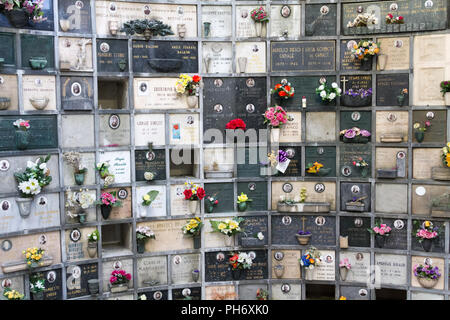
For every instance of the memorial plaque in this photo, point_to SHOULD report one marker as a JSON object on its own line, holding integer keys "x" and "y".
{"x": 77, "y": 241}
{"x": 71, "y": 133}
{"x": 39, "y": 87}
{"x": 168, "y": 236}
{"x": 325, "y": 271}
{"x": 398, "y": 238}
{"x": 351, "y": 192}
{"x": 355, "y": 228}
{"x": 158, "y": 206}
{"x": 360, "y": 119}
{"x": 320, "y": 126}
{"x": 119, "y": 165}
{"x": 77, "y": 93}
{"x": 249, "y": 161}
{"x": 112, "y": 55}
{"x": 417, "y": 295}
{"x": 320, "y": 20}
{"x": 146, "y": 161}
{"x": 215, "y": 239}
{"x": 227, "y": 292}
{"x": 179, "y": 206}
{"x": 53, "y": 284}
{"x": 424, "y": 159}
{"x": 184, "y": 128}
{"x": 390, "y": 269}
{"x": 157, "y": 93}
{"x": 34, "y": 46}
{"x": 152, "y": 271}
{"x": 218, "y": 161}
{"x": 77, "y": 277}
{"x": 386, "y": 158}
{"x": 285, "y": 20}
{"x": 7, "y": 49}
{"x": 289, "y": 259}
{"x": 224, "y": 193}
{"x": 304, "y": 87}
{"x": 295, "y": 165}
{"x": 391, "y": 198}
{"x": 350, "y": 152}
{"x": 8, "y": 89}
{"x": 250, "y": 57}
{"x": 194, "y": 293}
{"x": 438, "y": 243}
{"x": 292, "y": 130}
{"x": 257, "y": 191}
{"x": 149, "y": 128}
{"x": 347, "y": 61}
{"x": 114, "y": 130}
{"x": 13, "y": 283}
{"x": 355, "y": 293}
{"x": 165, "y": 56}
{"x": 438, "y": 130}
{"x": 219, "y": 19}
{"x": 245, "y": 26}
{"x": 301, "y": 56}
{"x": 253, "y": 226}
{"x": 182, "y": 267}
{"x": 360, "y": 262}
{"x": 286, "y": 291}
{"x": 75, "y": 54}
{"x": 217, "y": 57}
{"x": 323, "y": 155}
{"x": 124, "y": 195}
{"x": 396, "y": 51}
{"x": 75, "y": 16}
{"x": 392, "y": 126}
{"x": 43, "y": 132}
{"x": 248, "y": 291}
{"x": 250, "y": 101}
{"x": 356, "y": 82}
{"x": 389, "y": 86}
{"x": 433, "y": 261}
{"x": 47, "y": 25}
{"x": 422, "y": 197}
{"x": 117, "y": 264}
{"x": 156, "y": 294}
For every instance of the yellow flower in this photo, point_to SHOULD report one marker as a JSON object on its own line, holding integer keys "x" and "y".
{"x": 342, "y": 298}
{"x": 243, "y": 197}
{"x": 233, "y": 225}
{"x": 28, "y": 255}
{"x": 427, "y": 223}
{"x": 29, "y": 262}
{"x": 222, "y": 226}
{"x": 146, "y": 197}
{"x": 448, "y": 144}
{"x": 38, "y": 258}
{"x": 416, "y": 125}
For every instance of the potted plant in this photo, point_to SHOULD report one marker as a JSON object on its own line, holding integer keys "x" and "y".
{"x": 33, "y": 257}
{"x": 259, "y": 16}
{"x": 357, "y": 97}
{"x": 445, "y": 89}
{"x": 195, "y": 275}
{"x": 118, "y": 282}
{"x": 31, "y": 181}
{"x": 402, "y": 97}
{"x": 364, "y": 52}
{"x": 420, "y": 129}
{"x": 242, "y": 201}
{"x": 238, "y": 262}
{"x": 303, "y": 237}
{"x": 193, "y": 193}
{"x": 275, "y": 117}
{"x": 143, "y": 233}
{"x": 210, "y": 203}
{"x": 282, "y": 91}
{"x": 228, "y": 227}
{"x": 190, "y": 86}
{"x": 78, "y": 202}
{"x": 37, "y": 287}
{"x": 11, "y": 294}
{"x": 362, "y": 165}
{"x": 427, "y": 275}
{"x": 344, "y": 268}
{"x": 107, "y": 202}
{"x": 381, "y": 231}
{"x": 93, "y": 238}
{"x": 147, "y": 28}
{"x": 147, "y": 200}
{"x": 22, "y": 135}
{"x": 19, "y": 12}
{"x": 193, "y": 228}
{"x": 317, "y": 169}
{"x": 355, "y": 135}
{"x": 262, "y": 294}
{"x": 425, "y": 234}
{"x": 309, "y": 261}
{"x": 79, "y": 170}
{"x": 328, "y": 93}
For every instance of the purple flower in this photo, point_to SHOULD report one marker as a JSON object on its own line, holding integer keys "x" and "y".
{"x": 282, "y": 156}
{"x": 365, "y": 133}
{"x": 350, "y": 134}
{"x": 303, "y": 233}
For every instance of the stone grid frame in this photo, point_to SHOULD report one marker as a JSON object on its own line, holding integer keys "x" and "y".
{"x": 169, "y": 181}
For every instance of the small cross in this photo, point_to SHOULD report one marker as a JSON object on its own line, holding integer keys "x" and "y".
{"x": 303, "y": 222}
{"x": 344, "y": 80}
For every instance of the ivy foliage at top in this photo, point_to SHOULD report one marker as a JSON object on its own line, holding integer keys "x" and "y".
{"x": 156, "y": 27}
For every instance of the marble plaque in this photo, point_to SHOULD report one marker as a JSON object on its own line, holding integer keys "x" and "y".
{"x": 423, "y": 160}
{"x": 8, "y": 89}
{"x": 245, "y": 26}
{"x": 77, "y": 93}
{"x": 397, "y": 52}
{"x": 77, "y": 242}
{"x": 325, "y": 271}
{"x": 157, "y": 93}
{"x": 217, "y": 57}
{"x": 391, "y": 198}
{"x": 437, "y": 132}
{"x": 286, "y": 291}
{"x": 354, "y": 293}
{"x": 417, "y": 295}
{"x": 152, "y": 271}
{"x": 225, "y": 194}
{"x": 355, "y": 228}
{"x": 39, "y": 87}
{"x": 360, "y": 262}
{"x": 123, "y": 194}
{"x": 320, "y": 20}
{"x": 435, "y": 262}
{"x": 248, "y": 291}
{"x": 178, "y": 206}
{"x": 156, "y": 294}
{"x": 350, "y": 191}
{"x": 257, "y": 191}
{"x": 422, "y": 196}
{"x": 14, "y": 283}
{"x": 7, "y": 49}
{"x": 53, "y": 284}
{"x": 88, "y": 160}
{"x": 158, "y": 206}
{"x": 386, "y": 158}
{"x": 76, "y": 53}
{"x": 114, "y": 130}
{"x": 112, "y": 55}
{"x": 250, "y": 57}
{"x": 119, "y": 165}
{"x": 78, "y": 15}
{"x": 320, "y": 126}
{"x": 288, "y": 259}
{"x": 219, "y": 18}
{"x": 390, "y": 269}
{"x": 214, "y": 239}
{"x": 227, "y": 292}
{"x": 37, "y": 46}
{"x": 71, "y": 133}
{"x": 116, "y": 264}
{"x": 389, "y": 86}
{"x": 149, "y": 128}
{"x": 252, "y": 227}
{"x": 347, "y": 61}
{"x": 184, "y": 129}
{"x": 168, "y": 236}
{"x": 392, "y": 124}
{"x": 292, "y": 130}
{"x": 77, "y": 279}
{"x": 194, "y": 293}
{"x": 182, "y": 267}
{"x": 218, "y": 159}
{"x": 154, "y": 162}
{"x": 350, "y": 152}
{"x": 91, "y": 212}
{"x": 323, "y": 155}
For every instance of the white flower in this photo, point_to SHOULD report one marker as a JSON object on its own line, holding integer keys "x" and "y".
{"x": 31, "y": 164}
{"x": 260, "y": 236}
{"x": 321, "y": 87}
{"x": 332, "y": 96}
{"x": 43, "y": 166}
{"x": 143, "y": 297}
{"x": 334, "y": 85}
{"x": 36, "y": 191}
{"x": 311, "y": 267}
{"x": 25, "y": 187}
{"x": 323, "y": 94}
{"x": 339, "y": 90}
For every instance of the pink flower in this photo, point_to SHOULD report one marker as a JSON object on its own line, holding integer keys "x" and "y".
{"x": 270, "y": 115}
{"x": 280, "y": 117}
{"x": 128, "y": 276}
{"x": 112, "y": 279}
{"x": 275, "y": 123}
{"x": 381, "y": 232}
{"x": 272, "y": 109}
{"x": 428, "y": 123}
{"x": 9, "y": 6}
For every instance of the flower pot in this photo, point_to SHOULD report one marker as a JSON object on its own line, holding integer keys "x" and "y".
{"x": 427, "y": 283}
{"x": 193, "y": 205}
{"x": 5, "y": 103}
{"x": 322, "y": 172}
{"x": 209, "y": 207}
{"x": 364, "y": 172}
{"x": 113, "y": 27}
{"x": 278, "y": 270}
{"x": 22, "y": 139}
{"x": 236, "y": 274}
{"x": 106, "y": 211}
{"x": 309, "y": 274}
{"x": 303, "y": 240}
{"x": 82, "y": 216}
{"x": 229, "y": 241}
{"x": 24, "y": 205}
{"x": 206, "y": 28}
{"x": 343, "y": 272}
{"x": 420, "y": 135}
{"x": 447, "y": 98}
{"x": 93, "y": 286}
{"x": 379, "y": 241}
{"x": 275, "y": 135}
{"x": 116, "y": 288}
{"x": 79, "y": 178}
{"x": 355, "y": 101}
{"x": 39, "y": 103}
{"x": 381, "y": 61}
{"x": 147, "y": 34}
{"x": 242, "y": 62}
{"x": 195, "y": 276}
{"x": 400, "y": 100}
{"x": 242, "y": 206}
{"x": 92, "y": 249}
{"x": 366, "y": 64}
{"x": 258, "y": 28}
{"x": 122, "y": 65}
{"x": 207, "y": 63}
{"x": 140, "y": 246}
{"x": 192, "y": 101}
{"x": 38, "y": 295}
{"x": 197, "y": 241}
{"x": 356, "y": 139}
{"x": 427, "y": 244}
{"x": 17, "y": 18}
{"x": 38, "y": 63}
{"x": 64, "y": 24}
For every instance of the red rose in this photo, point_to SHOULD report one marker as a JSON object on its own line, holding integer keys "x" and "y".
{"x": 278, "y": 86}
{"x": 187, "y": 194}
{"x": 390, "y": 16}
{"x": 175, "y": 127}
{"x": 200, "y": 193}
{"x": 282, "y": 93}
{"x": 216, "y": 202}
{"x": 196, "y": 78}
{"x": 288, "y": 88}
{"x": 239, "y": 124}
{"x": 400, "y": 18}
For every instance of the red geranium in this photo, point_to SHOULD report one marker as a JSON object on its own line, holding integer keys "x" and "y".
{"x": 200, "y": 193}
{"x": 196, "y": 78}
{"x": 236, "y": 124}
{"x": 282, "y": 93}
{"x": 187, "y": 194}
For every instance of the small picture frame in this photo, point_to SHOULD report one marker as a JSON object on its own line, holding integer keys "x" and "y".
{"x": 285, "y": 11}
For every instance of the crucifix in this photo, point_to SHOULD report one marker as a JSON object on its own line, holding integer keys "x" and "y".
{"x": 303, "y": 222}
{"x": 344, "y": 80}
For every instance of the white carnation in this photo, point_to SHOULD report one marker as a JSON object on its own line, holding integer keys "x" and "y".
{"x": 339, "y": 90}
{"x": 31, "y": 164}
{"x": 321, "y": 87}
{"x": 323, "y": 94}
{"x": 334, "y": 85}
{"x": 260, "y": 236}
{"x": 332, "y": 96}
{"x": 43, "y": 166}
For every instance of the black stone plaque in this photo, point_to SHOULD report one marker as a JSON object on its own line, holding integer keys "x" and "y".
{"x": 356, "y": 82}
{"x": 53, "y": 284}
{"x": 350, "y": 152}
{"x": 297, "y": 56}
{"x": 165, "y": 56}
{"x": 112, "y": 55}
{"x": 156, "y": 294}
{"x": 43, "y": 132}
{"x": 78, "y": 13}
{"x": 37, "y": 46}
{"x": 351, "y": 191}
{"x": 438, "y": 130}
{"x": 438, "y": 243}
{"x": 360, "y": 119}
{"x": 294, "y": 155}
{"x": 347, "y": 61}
{"x": 323, "y": 155}
{"x": 252, "y": 226}
{"x": 154, "y": 161}
{"x": 257, "y": 191}
{"x": 46, "y": 25}
{"x": 250, "y": 161}
{"x": 7, "y": 48}
{"x": 389, "y": 86}
{"x": 195, "y": 293}
{"x": 355, "y": 293}
{"x": 77, "y": 284}
{"x": 250, "y": 101}
{"x": 356, "y": 230}
{"x": 224, "y": 193}
{"x": 398, "y": 238}
{"x": 320, "y": 20}
{"x": 77, "y": 93}
{"x": 322, "y": 228}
